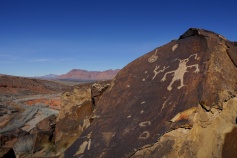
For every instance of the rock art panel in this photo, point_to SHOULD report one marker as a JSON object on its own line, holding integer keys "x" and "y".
{"x": 166, "y": 119}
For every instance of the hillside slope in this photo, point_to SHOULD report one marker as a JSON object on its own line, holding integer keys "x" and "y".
{"x": 13, "y": 85}
{"x": 89, "y": 75}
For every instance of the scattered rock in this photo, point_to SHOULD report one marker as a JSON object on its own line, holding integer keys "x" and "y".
{"x": 44, "y": 133}
{"x": 24, "y": 144}
{"x": 27, "y": 124}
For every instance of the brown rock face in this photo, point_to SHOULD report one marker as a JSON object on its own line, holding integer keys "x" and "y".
{"x": 175, "y": 101}
{"x": 229, "y": 147}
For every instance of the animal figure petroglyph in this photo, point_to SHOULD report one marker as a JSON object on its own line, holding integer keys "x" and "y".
{"x": 179, "y": 73}
{"x": 157, "y": 72}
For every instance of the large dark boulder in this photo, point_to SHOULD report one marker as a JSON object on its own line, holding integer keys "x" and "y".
{"x": 175, "y": 101}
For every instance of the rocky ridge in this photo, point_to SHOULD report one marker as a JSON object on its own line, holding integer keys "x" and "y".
{"x": 89, "y": 75}
{"x": 178, "y": 100}
{"x": 21, "y": 86}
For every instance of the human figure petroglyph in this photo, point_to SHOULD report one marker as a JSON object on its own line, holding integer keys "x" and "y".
{"x": 157, "y": 72}
{"x": 179, "y": 73}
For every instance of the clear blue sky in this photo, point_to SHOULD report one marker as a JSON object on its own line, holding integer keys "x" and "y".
{"x": 39, "y": 37}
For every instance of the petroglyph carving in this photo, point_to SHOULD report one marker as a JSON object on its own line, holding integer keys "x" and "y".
{"x": 163, "y": 106}
{"x": 153, "y": 58}
{"x": 144, "y": 135}
{"x": 144, "y": 124}
{"x": 157, "y": 72}
{"x": 83, "y": 146}
{"x": 107, "y": 137}
{"x": 89, "y": 145}
{"x": 175, "y": 47}
{"x": 180, "y": 71}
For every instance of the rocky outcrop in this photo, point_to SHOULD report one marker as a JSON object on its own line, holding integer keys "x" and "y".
{"x": 44, "y": 133}
{"x": 26, "y": 107}
{"x": 97, "y": 89}
{"x": 40, "y": 139}
{"x": 178, "y": 100}
{"x": 76, "y": 113}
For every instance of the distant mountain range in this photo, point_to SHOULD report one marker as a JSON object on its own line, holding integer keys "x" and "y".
{"x": 84, "y": 75}
{"x": 50, "y": 76}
